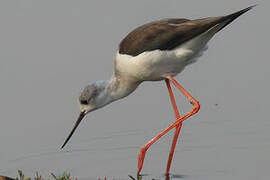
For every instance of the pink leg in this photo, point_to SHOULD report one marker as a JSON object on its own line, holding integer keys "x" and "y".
{"x": 195, "y": 109}
{"x": 177, "y": 129}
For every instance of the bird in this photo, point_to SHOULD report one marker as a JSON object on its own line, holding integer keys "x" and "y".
{"x": 155, "y": 51}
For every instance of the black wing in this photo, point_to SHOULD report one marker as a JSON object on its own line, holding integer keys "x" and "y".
{"x": 167, "y": 34}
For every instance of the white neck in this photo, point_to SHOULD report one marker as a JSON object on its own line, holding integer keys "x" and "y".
{"x": 119, "y": 87}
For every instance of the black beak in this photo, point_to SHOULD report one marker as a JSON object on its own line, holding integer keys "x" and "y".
{"x": 82, "y": 114}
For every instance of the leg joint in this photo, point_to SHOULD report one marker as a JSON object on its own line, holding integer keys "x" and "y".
{"x": 144, "y": 148}
{"x": 196, "y": 106}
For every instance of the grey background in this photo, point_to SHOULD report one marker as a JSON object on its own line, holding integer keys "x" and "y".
{"x": 50, "y": 49}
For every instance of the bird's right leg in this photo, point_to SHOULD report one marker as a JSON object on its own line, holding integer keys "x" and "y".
{"x": 177, "y": 128}
{"x": 195, "y": 109}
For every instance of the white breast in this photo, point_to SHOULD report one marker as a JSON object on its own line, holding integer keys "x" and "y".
{"x": 150, "y": 65}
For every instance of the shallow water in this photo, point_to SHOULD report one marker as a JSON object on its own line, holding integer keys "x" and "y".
{"x": 49, "y": 50}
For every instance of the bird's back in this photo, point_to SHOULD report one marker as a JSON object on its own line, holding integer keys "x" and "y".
{"x": 165, "y": 34}
{"x": 168, "y": 34}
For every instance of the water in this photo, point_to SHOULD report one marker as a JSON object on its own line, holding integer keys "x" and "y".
{"x": 49, "y": 50}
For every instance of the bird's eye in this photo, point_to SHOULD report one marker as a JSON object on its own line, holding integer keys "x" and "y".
{"x": 84, "y": 102}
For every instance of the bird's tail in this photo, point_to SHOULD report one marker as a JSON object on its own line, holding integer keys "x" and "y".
{"x": 231, "y": 17}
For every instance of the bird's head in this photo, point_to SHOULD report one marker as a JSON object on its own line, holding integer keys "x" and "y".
{"x": 92, "y": 97}
{"x": 89, "y": 98}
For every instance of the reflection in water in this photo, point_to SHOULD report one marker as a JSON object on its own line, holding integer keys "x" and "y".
{"x": 166, "y": 177}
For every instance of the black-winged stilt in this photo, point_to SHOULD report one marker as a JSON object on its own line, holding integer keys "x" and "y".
{"x": 152, "y": 52}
